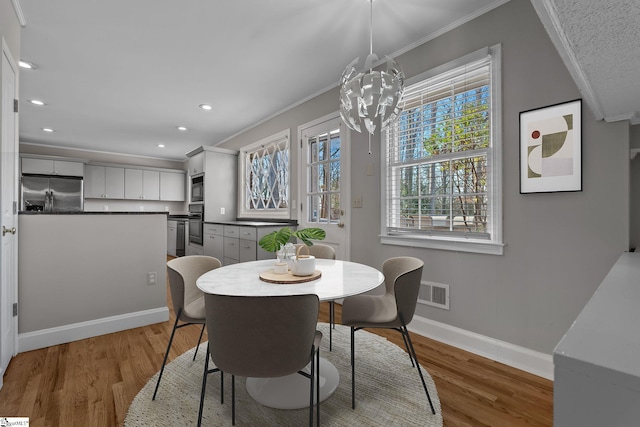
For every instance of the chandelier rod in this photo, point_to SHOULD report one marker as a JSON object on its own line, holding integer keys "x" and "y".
{"x": 370, "y": 27}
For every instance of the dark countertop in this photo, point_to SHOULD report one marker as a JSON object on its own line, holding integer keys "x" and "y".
{"x": 94, "y": 213}
{"x": 255, "y": 223}
{"x": 180, "y": 217}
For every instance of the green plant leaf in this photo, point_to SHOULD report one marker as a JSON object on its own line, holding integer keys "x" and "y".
{"x": 309, "y": 234}
{"x": 272, "y": 241}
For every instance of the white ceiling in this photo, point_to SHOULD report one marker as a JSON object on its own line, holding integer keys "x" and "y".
{"x": 119, "y": 76}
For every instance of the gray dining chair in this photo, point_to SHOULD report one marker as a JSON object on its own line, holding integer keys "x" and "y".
{"x": 187, "y": 299}
{"x": 263, "y": 337}
{"x": 322, "y": 251}
{"x": 393, "y": 310}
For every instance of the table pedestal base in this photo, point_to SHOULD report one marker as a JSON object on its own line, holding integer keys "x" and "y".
{"x": 292, "y": 391}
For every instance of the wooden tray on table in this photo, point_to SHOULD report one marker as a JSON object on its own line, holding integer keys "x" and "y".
{"x": 288, "y": 278}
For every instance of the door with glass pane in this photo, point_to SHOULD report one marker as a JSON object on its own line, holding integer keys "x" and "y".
{"x": 324, "y": 192}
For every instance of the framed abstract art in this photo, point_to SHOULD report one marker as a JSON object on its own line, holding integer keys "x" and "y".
{"x": 551, "y": 148}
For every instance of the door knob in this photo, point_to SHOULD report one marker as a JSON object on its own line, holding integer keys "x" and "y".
{"x": 6, "y": 230}
{"x": 341, "y": 225}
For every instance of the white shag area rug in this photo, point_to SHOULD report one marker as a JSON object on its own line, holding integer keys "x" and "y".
{"x": 388, "y": 391}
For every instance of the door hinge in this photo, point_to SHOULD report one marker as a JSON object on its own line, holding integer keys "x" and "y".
{"x": 300, "y": 206}
{"x": 15, "y": 309}
{"x": 15, "y": 105}
{"x": 15, "y": 207}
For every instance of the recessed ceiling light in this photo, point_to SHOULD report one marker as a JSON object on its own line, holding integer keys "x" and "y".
{"x": 206, "y": 107}
{"x": 182, "y": 128}
{"x": 27, "y": 65}
{"x": 160, "y": 145}
{"x": 36, "y": 102}
{"x": 47, "y": 129}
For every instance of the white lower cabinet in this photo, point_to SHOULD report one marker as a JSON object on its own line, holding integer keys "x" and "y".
{"x": 193, "y": 249}
{"x": 241, "y": 243}
{"x": 232, "y": 243}
{"x": 213, "y": 238}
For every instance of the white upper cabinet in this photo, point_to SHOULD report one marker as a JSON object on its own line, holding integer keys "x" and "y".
{"x": 114, "y": 182}
{"x": 52, "y": 167}
{"x": 141, "y": 184}
{"x": 172, "y": 186}
{"x": 104, "y": 182}
{"x": 196, "y": 164}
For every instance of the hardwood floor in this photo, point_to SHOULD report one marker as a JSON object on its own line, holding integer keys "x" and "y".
{"x": 92, "y": 382}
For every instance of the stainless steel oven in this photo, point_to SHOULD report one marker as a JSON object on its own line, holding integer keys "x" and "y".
{"x": 196, "y": 223}
{"x": 197, "y": 188}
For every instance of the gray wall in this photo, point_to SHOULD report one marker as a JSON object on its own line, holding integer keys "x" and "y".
{"x": 83, "y": 268}
{"x": 634, "y": 222}
{"x": 559, "y": 246}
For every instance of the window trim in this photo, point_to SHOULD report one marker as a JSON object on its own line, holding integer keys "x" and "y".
{"x": 243, "y": 212}
{"x": 494, "y": 246}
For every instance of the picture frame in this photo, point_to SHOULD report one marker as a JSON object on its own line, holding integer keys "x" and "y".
{"x": 551, "y": 148}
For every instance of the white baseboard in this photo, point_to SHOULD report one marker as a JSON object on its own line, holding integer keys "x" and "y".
{"x": 92, "y": 328}
{"x": 522, "y": 358}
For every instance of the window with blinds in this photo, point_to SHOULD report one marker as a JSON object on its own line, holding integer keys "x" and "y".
{"x": 439, "y": 156}
{"x": 265, "y": 172}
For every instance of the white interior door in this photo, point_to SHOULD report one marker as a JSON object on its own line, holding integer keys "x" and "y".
{"x": 8, "y": 206}
{"x": 324, "y": 181}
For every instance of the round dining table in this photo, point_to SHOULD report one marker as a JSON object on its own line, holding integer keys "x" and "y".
{"x": 338, "y": 279}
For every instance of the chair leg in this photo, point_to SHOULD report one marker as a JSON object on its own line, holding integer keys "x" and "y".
{"x": 166, "y": 354}
{"x": 406, "y": 345}
{"x": 233, "y": 400}
{"x": 312, "y": 377}
{"x": 332, "y": 323}
{"x": 199, "y": 340}
{"x": 413, "y": 352}
{"x": 353, "y": 369}
{"x": 318, "y": 387}
{"x": 204, "y": 386}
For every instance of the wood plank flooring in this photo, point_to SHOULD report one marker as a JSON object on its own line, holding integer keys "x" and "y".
{"x": 92, "y": 382}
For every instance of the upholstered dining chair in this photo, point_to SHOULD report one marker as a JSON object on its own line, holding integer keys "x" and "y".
{"x": 393, "y": 310}
{"x": 263, "y": 337}
{"x": 322, "y": 251}
{"x": 187, "y": 299}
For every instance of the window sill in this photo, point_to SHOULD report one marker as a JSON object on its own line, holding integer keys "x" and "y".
{"x": 265, "y": 213}
{"x": 449, "y": 244}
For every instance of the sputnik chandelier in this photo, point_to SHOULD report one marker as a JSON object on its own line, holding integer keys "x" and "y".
{"x": 371, "y": 96}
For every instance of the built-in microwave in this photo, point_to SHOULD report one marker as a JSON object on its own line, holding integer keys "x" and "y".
{"x": 197, "y": 188}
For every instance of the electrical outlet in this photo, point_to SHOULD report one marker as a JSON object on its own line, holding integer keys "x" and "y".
{"x": 357, "y": 202}
{"x": 151, "y": 278}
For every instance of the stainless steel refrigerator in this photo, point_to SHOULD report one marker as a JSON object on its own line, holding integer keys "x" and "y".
{"x": 52, "y": 194}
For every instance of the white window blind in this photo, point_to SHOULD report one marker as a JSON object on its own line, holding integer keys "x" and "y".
{"x": 439, "y": 157}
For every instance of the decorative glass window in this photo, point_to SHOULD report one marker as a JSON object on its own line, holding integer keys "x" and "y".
{"x": 265, "y": 177}
{"x": 443, "y": 160}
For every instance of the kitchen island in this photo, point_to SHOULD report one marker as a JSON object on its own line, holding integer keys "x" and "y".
{"x": 89, "y": 273}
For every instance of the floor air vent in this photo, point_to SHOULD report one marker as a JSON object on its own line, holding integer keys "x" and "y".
{"x": 434, "y": 294}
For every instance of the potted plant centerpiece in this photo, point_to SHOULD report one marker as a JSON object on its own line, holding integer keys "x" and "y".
{"x": 278, "y": 241}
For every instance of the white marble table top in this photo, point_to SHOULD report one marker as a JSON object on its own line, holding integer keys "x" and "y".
{"x": 339, "y": 279}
